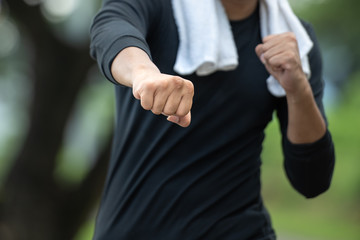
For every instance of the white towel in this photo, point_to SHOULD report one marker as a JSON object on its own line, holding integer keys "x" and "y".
{"x": 206, "y": 41}
{"x": 207, "y": 44}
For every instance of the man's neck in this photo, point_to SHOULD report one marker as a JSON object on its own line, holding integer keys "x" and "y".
{"x": 239, "y": 9}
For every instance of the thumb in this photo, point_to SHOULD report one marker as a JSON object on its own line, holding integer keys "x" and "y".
{"x": 260, "y": 52}
{"x": 181, "y": 121}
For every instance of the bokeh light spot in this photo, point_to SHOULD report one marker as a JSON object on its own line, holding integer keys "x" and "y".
{"x": 9, "y": 37}
{"x": 58, "y": 10}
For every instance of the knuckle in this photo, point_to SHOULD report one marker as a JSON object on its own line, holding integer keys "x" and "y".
{"x": 291, "y": 36}
{"x": 189, "y": 86}
{"x": 171, "y": 110}
{"x": 157, "y": 109}
{"x": 266, "y": 56}
{"x": 162, "y": 85}
{"x": 177, "y": 80}
{"x": 138, "y": 90}
{"x": 145, "y": 105}
{"x": 156, "y": 112}
{"x": 267, "y": 38}
{"x": 290, "y": 55}
{"x": 271, "y": 61}
{"x": 182, "y": 112}
{"x": 136, "y": 93}
{"x": 287, "y": 66}
{"x": 149, "y": 86}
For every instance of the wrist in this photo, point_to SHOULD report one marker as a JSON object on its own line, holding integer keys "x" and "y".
{"x": 300, "y": 93}
{"x": 131, "y": 64}
{"x": 142, "y": 71}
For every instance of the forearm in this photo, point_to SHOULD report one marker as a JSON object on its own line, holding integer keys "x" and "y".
{"x": 161, "y": 93}
{"x": 305, "y": 122}
{"x": 130, "y": 63}
{"x": 118, "y": 25}
{"x": 280, "y": 55}
{"x": 307, "y": 145}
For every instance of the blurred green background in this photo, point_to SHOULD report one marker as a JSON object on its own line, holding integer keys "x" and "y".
{"x": 56, "y": 118}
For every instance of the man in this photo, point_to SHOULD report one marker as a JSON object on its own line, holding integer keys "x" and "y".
{"x": 195, "y": 174}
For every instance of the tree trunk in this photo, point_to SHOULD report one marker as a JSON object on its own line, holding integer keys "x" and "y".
{"x": 33, "y": 206}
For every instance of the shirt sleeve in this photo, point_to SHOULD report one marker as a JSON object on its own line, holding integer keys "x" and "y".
{"x": 309, "y": 167}
{"x": 121, "y": 24}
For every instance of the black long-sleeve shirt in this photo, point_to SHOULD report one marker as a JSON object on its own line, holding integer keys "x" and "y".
{"x": 203, "y": 181}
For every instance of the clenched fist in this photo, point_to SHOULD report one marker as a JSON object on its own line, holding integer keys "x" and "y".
{"x": 280, "y": 55}
{"x": 165, "y": 94}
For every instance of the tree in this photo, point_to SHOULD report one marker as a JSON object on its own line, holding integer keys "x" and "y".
{"x": 32, "y": 204}
{"x": 335, "y": 23}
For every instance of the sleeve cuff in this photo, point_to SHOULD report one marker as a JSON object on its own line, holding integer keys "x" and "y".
{"x": 307, "y": 151}
{"x": 115, "y": 48}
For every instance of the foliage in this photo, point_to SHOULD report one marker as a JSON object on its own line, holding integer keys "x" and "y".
{"x": 333, "y": 215}
{"x": 336, "y": 23}
{"x": 38, "y": 200}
